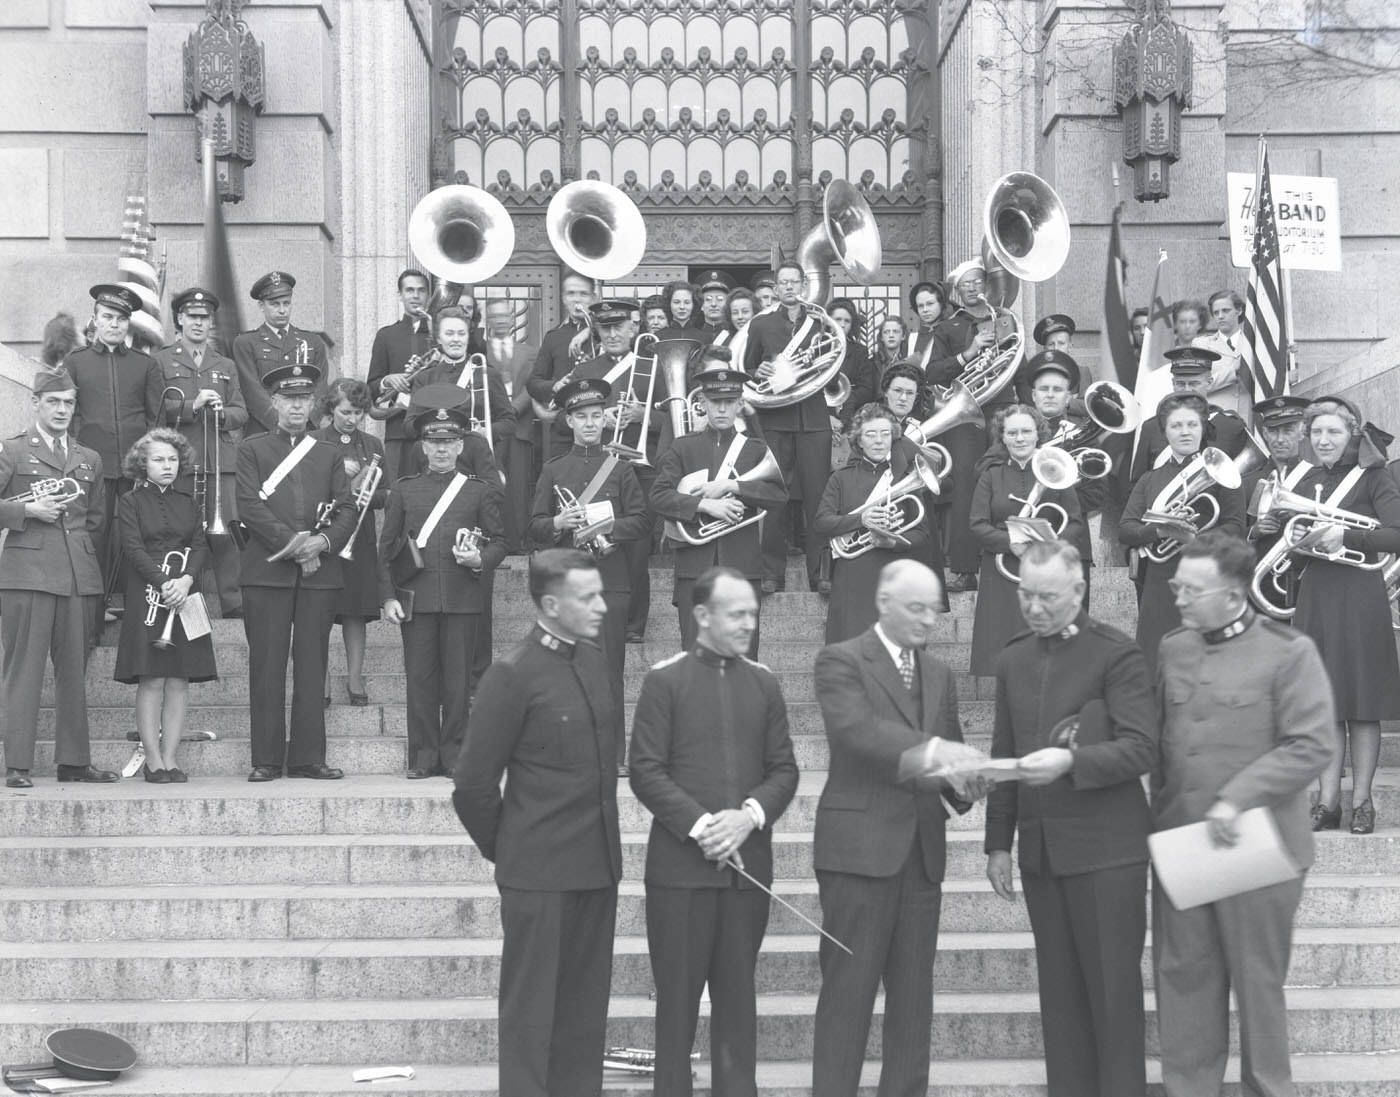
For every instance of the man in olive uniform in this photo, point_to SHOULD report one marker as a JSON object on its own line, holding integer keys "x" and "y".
{"x": 433, "y": 587}
{"x": 593, "y": 478}
{"x": 201, "y": 398}
{"x": 50, "y": 583}
{"x": 294, "y": 498}
{"x": 115, "y": 407}
{"x": 741, "y": 482}
{"x": 275, "y": 342}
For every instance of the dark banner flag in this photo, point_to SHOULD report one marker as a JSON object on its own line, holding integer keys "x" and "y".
{"x": 1117, "y": 326}
{"x": 217, "y": 271}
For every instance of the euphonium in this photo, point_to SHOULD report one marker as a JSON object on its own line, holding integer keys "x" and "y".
{"x": 1055, "y": 470}
{"x": 905, "y": 495}
{"x": 1111, "y": 409}
{"x": 1187, "y": 499}
{"x": 643, "y": 364}
{"x": 589, "y": 538}
{"x": 702, "y": 531}
{"x": 364, "y": 495}
{"x": 154, "y": 603}
{"x": 61, "y": 491}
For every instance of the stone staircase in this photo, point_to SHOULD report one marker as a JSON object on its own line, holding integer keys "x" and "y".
{"x": 269, "y": 939}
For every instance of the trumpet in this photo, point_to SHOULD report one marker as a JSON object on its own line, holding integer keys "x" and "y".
{"x": 364, "y": 494}
{"x": 643, "y": 363}
{"x": 1304, "y": 521}
{"x": 904, "y": 495}
{"x": 60, "y": 491}
{"x": 154, "y": 603}
{"x": 590, "y": 537}
{"x": 1187, "y": 500}
{"x": 1055, "y": 470}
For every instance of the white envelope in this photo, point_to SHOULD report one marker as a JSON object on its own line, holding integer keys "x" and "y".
{"x": 1194, "y": 871}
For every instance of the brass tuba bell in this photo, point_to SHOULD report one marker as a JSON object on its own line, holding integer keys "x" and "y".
{"x": 846, "y": 234}
{"x": 596, "y": 229}
{"x": 1025, "y": 234}
{"x": 461, "y": 234}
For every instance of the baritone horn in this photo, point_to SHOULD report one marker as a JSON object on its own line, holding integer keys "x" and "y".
{"x": 1055, "y": 470}
{"x": 364, "y": 495}
{"x": 904, "y": 495}
{"x": 701, "y": 531}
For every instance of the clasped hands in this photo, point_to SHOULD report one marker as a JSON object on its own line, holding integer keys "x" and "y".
{"x": 175, "y": 592}
{"x": 719, "y": 499}
{"x": 724, "y": 834}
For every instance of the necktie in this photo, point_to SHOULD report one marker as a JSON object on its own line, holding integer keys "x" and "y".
{"x": 501, "y": 349}
{"x": 60, "y": 451}
{"x": 906, "y": 667}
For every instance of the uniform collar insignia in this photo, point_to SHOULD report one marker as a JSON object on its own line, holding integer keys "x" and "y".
{"x": 1070, "y": 631}
{"x": 1230, "y": 631}
{"x": 345, "y": 439}
{"x": 548, "y": 640}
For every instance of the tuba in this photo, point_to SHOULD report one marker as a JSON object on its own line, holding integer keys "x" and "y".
{"x": 1187, "y": 499}
{"x": 1304, "y": 520}
{"x": 462, "y": 235}
{"x": 847, "y": 234}
{"x": 1055, "y": 470}
{"x": 701, "y": 531}
{"x": 905, "y": 495}
{"x": 1112, "y": 409}
{"x": 673, "y": 357}
{"x": 596, "y": 229}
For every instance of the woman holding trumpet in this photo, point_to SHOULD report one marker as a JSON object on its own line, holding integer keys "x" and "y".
{"x": 870, "y": 519}
{"x": 164, "y": 547}
{"x": 1011, "y": 485}
{"x": 1156, "y": 522}
{"x": 345, "y": 404}
{"x": 1342, "y": 602}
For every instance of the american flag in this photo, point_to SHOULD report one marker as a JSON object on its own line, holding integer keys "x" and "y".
{"x": 1264, "y": 351}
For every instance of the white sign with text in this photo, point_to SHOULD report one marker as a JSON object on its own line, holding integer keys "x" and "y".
{"x": 1308, "y": 216}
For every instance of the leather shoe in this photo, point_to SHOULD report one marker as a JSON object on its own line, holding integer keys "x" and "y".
{"x": 18, "y": 778}
{"x": 264, "y": 773}
{"x": 317, "y": 771}
{"x": 1324, "y": 818}
{"x": 85, "y": 774}
{"x": 155, "y": 776}
{"x": 962, "y": 582}
{"x": 418, "y": 773}
{"x": 1363, "y": 818}
{"x": 769, "y": 586}
{"x": 177, "y": 776}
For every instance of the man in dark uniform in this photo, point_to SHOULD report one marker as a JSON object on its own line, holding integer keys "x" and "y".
{"x": 1082, "y": 821}
{"x": 556, "y": 357}
{"x": 1280, "y": 421}
{"x": 714, "y": 291}
{"x": 544, "y": 718}
{"x": 1190, "y": 367}
{"x": 394, "y": 346}
{"x": 273, "y": 343}
{"x": 738, "y": 480}
{"x": 799, "y": 435}
{"x": 294, "y": 499}
{"x": 1248, "y": 722}
{"x": 116, "y": 390}
{"x": 713, "y": 763}
{"x": 594, "y": 481}
{"x": 50, "y": 583}
{"x": 1054, "y": 332}
{"x": 616, "y": 325}
{"x": 433, "y": 589}
{"x": 200, "y": 397}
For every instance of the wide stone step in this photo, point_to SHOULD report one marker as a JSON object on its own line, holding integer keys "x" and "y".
{"x": 1323, "y": 1075}
{"x": 335, "y": 969}
{"x": 316, "y": 911}
{"x": 463, "y": 1030}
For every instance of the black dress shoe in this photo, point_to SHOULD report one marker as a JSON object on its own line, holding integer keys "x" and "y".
{"x": 18, "y": 778}
{"x": 155, "y": 776}
{"x": 1363, "y": 818}
{"x": 86, "y": 774}
{"x": 265, "y": 773}
{"x": 1324, "y": 818}
{"x": 769, "y": 586}
{"x": 177, "y": 776}
{"x": 317, "y": 771}
{"x": 418, "y": 773}
{"x": 962, "y": 582}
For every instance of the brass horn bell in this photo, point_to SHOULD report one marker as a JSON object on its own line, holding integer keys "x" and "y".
{"x": 1025, "y": 234}
{"x": 596, "y": 229}
{"x": 461, "y": 234}
{"x": 846, "y": 234}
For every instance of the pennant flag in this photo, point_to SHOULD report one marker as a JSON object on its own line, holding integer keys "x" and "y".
{"x": 1153, "y": 380}
{"x": 1264, "y": 350}
{"x": 1117, "y": 325}
{"x": 217, "y": 275}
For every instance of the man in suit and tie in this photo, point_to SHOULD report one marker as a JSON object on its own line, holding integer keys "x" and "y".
{"x": 891, "y": 716}
{"x": 1074, "y": 705}
{"x": 273, "y": 343}
{"x": 514, "y": 361}
{"x": 408, "y": 337}
{"x": 1227, "y": 312}
{"x": 50, "y": 583}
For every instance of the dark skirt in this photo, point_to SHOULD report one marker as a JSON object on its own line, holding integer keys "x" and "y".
{"x": 1345, "y": 611}
{"x": 852, "y": 607}
{"x": 997, "y": 618}
{"x": 1157, "y": 612}
{"x": 138, "y": 657}
{"x": 359, "y": 597}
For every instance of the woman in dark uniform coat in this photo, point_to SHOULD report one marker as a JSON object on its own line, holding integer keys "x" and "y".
{"x": 1003, "y": 486}
{"x": 1345, "y": 610}
{"x": 1184, "y": 422}
{"x": 154, "y": 520}
{"x": 852, "y": 607}
{"x": 345, "y": 404}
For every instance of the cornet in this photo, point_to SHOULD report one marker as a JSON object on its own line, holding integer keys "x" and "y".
{"x": 1055, "y": 470}
{"x": 468, "y": 539}
{"x": 590, "y": 538}
{"x": 1187, "y": 500}
{"x": 362, "y": 499}
{"x": 154, "y": 604}
{"x": 904, "y": 495}
{"x": 60, "y": 491}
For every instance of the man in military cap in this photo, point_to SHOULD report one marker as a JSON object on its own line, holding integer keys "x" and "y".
{"x": 431, "y": 583}
{"x": 394, "y": 346}
{"x": 714, "y": 290}
{"x": 294, "y": 499}
{"x": 275, "y": 342}
{"x": 117, "y": 401}
{"x": 1280, "y": 421}
{"x": 201, "y": 398}
{"x": 1054, "y": 332}
{"x": 556, "y": 357}
{"x": 50, "y": 583}
{"x": 739, "y": 480}
{"x": 1191, "y": 372}
{"x": 615, "y": 322}
{"x": 574, "y": 490}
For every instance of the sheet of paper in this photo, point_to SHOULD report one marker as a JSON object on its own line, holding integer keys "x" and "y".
{"x": 1194, "y": 871}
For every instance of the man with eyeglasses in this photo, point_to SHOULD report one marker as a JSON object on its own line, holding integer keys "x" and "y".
{"x": 800, "y": 434}
{"x": 1247, "y": 720}
{"x": 1074, "y": 705}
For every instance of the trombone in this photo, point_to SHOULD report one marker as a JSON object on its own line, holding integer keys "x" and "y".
{"x": 364, "y": 494}
{"x": 154, "y": 603}
{"x": 643, "y": 361}
{"x": 478, "y": 396}
{"x": 211, "y": 417}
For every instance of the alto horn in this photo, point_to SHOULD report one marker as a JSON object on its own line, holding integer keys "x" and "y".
{"x": 596, "y": 229}
{"x": 1111, "y": 409}
{"x": 846, "y": 234}
{"x": 904, "y": 494}
{"x": 461, "y": 234}
{"x": 1055, "y": 470}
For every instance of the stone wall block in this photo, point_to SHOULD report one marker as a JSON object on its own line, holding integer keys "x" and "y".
{"x": 24, "y": 13}
{"x": 73, "y": 86}
{"x": 107, "y": 13}
{"x": 95, "y": 189}
{"x": 25, "y": 211}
